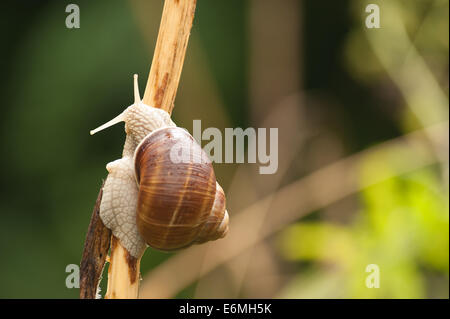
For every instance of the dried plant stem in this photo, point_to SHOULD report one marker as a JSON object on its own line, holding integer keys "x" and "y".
{"x": 94, "y": 254}
{"x": 173, "y": 37}
{"x": 162, "y": 84}
{"x": 123, "y": 273}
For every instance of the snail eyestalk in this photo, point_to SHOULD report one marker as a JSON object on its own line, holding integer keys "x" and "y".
{"x": 137, "y": 97}
{"x": 114, "y": 121}
{"x": 121, "y": 116}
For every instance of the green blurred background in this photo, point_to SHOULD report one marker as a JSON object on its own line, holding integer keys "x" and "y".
{"x": 363, "y": 152}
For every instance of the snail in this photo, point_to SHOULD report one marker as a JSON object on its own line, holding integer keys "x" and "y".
{"x": 152, "y": 195}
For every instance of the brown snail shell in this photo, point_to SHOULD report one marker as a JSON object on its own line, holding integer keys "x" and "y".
{"x": 179, "y": 204}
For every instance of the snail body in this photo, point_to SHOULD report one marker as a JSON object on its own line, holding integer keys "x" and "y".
{"x": 152, "y": 198}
